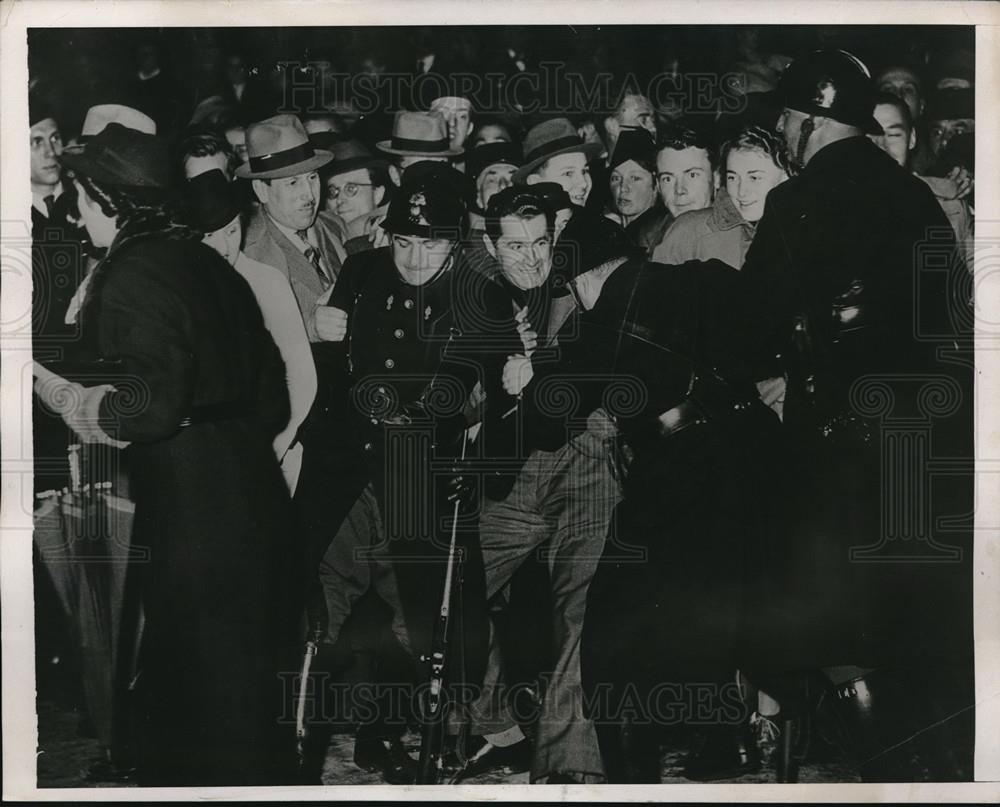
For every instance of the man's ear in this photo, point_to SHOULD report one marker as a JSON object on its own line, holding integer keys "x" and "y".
{"x": 394, "y": 175}
{"x": 913, "y": 140}
{"x": 260, "y": 190}
{"x": 469, "y": 130}
{"x": 488, "y": 243}
{"x": 379, "y": 195}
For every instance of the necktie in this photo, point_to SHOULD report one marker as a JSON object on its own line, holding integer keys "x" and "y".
{"x": 50, "y": 202}
{"x": 312, "y": 255}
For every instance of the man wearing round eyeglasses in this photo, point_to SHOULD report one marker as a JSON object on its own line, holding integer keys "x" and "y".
{"x": 356, "y": 185}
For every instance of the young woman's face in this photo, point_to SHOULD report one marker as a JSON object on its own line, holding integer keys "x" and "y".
{"x": 750, "y": 175}
{"x": 633, "y": 189}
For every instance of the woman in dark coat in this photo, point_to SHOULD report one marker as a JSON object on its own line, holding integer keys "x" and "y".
{"x": 190, "y": 380}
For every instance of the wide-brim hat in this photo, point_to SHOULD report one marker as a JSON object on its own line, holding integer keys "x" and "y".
{"x": 210, "y": 201}
{"x": 549, "y": 139}
{"x": 279, "y": 147}
{"x": 951, "y": 104}
{"x": 419, "y": 134}
{"x": 479, "y": 158}
{"x": 124, "y": 158}
{"x": 350, "y": 155}
{"x": 99, "y": 116}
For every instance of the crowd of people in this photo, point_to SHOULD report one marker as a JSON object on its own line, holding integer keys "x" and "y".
{"x": 589, "y": 412}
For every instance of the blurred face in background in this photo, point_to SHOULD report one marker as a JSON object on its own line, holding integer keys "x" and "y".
{"x": 492, "y": 179}
{"x": 226, "y": 240}
{"x": 940, "y": 132}
{"x": 633, "y": 189}
{"x": 636, "y": 112}
{"x": 491, "y": 133}
{"x": 195, "y": 165}
{"x": 898, "y": 135}
{"x": 685, "y": 179}
{"x": 457, "y": 114}
{"x": 46, "y": 145}
{"x": 750, "y": 175}
{"x": 237, "y": 137}
{"x": 905, "y": 85}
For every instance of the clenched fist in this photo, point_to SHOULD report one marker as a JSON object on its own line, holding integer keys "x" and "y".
{"x": 331, "y": 323}
{"x": 517, "y": 372}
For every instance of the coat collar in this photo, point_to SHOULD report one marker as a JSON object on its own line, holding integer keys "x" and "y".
{"x": 724, "y": 215}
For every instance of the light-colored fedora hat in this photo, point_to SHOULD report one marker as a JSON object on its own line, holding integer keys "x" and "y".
{"x": 279, "y": 147}
{"x": 419, "y": 134}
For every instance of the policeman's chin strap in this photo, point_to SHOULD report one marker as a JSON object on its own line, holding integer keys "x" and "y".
{"x": 800, "y": 148}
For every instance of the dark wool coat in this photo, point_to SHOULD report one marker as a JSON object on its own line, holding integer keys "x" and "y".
{"x": 178, "y": 332}
{"x": 863, "y": 303}
{"x": 675, "y": 596}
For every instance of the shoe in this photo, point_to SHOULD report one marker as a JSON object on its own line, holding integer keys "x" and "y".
{"x": 727, "y": 752}
{"x": 484, "y": 757}
{"x": 388, "y": 756}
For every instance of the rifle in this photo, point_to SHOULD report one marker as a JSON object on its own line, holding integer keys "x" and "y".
{"x": 433, "y": 711}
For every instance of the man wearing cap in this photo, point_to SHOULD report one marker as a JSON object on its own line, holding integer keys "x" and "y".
{"x": 356, "y": 184}
{"x": 490, "y": 167}
{"x": 863, "y": 303}
{"x": 563, "y": 496}
{"x": 420, "y": 330}
{"x": 949, "y": 113}
{"x": 555, "y": 152}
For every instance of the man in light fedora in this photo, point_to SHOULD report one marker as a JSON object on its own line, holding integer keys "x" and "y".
{"x": 417, "y": 136}
{"x": 288, "y": 231}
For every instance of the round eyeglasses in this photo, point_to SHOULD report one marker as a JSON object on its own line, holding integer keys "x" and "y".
{"x": 350, "y": 190}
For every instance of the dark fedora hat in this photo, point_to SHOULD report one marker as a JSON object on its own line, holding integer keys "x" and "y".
{"x": 419, "y": 134}
{"x": 479, "y": 158}
{"x": 549, "y": 139}
{"x": 350, "y": 155}
{"x": 279, "y": 147}
{"x": 124, "y": 158}
{"x": 210, "y": 201}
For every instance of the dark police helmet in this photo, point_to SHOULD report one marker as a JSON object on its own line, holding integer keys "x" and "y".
{"x": 832, "y": 84}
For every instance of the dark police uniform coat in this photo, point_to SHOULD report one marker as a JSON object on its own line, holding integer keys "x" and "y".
{"x": 856, "y": 288}
{"x": 414, "y": 354}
